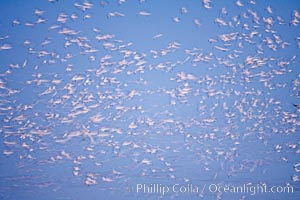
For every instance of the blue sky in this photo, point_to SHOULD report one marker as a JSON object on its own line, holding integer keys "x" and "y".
{"x": 99, "y": 96}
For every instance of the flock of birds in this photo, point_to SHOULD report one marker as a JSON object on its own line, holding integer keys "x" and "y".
{"x": 111, "y": 113}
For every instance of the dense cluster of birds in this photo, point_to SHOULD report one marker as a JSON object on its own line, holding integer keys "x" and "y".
{"x": 113, "y": 111}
